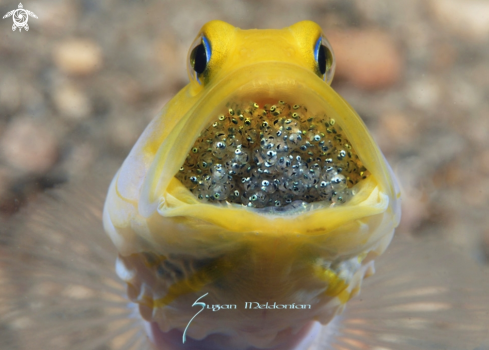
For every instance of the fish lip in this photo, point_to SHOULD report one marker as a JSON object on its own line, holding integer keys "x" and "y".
{"x": 290, "y": 80}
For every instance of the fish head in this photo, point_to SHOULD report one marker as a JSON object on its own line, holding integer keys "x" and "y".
{"x": 256, "y": 183}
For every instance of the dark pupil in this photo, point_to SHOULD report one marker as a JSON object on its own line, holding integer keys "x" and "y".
{"x": 199, "y": 58}
{"x": 322, "y": 56}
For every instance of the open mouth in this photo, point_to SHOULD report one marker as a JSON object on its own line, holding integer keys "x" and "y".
{"x": 273, "y": 154}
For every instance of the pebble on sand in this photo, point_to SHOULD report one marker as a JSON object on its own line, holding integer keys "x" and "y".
{"x": 78, "y": 57}
{"x": 71, "y": 102}
{"x": 369, "y": 59}
{"x": 469, "y": 19}
{"x": 28, "y": 146}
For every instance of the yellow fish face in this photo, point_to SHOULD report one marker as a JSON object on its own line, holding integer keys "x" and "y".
{"x": 257, "y": 183}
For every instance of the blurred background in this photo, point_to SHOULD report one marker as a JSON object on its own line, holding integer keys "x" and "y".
{"x": 79, "y": 87}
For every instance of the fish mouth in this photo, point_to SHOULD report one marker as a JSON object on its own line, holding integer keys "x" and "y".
{"x": 274, "y": 156}
{"x": 327, "y": 162}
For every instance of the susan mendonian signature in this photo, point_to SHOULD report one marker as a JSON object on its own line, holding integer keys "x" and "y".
{"x": 247, "y": 305}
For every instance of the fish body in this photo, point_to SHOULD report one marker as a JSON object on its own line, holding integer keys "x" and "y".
{"x": 293, "y": 234}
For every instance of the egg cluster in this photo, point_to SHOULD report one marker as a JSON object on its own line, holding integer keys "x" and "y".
{"x": 277, "y": 155}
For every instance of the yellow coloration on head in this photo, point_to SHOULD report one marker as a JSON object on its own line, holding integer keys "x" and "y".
{"x": 233, "y": 49}
{"x": 149, "y": 211}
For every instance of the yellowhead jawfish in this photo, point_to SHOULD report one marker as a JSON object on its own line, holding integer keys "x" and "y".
{"x": 257, "y": 183}
{"x": 246, "y": 216}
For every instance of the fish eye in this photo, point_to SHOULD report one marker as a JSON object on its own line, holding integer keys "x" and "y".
{"x": 323, "y": 54}
{"x": 199, "y": 57}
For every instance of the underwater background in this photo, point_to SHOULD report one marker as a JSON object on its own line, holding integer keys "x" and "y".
{"x": 79, "y": 87}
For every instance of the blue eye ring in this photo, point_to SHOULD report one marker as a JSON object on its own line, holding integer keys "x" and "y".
{"x": 199, "y": 56}
{"x": 316, "y": 48}
{"x": 324, "y": 57}
{"x": 208, "y": 48}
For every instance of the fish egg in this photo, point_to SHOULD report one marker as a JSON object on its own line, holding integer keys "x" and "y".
{"x": 279, "y": 155}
